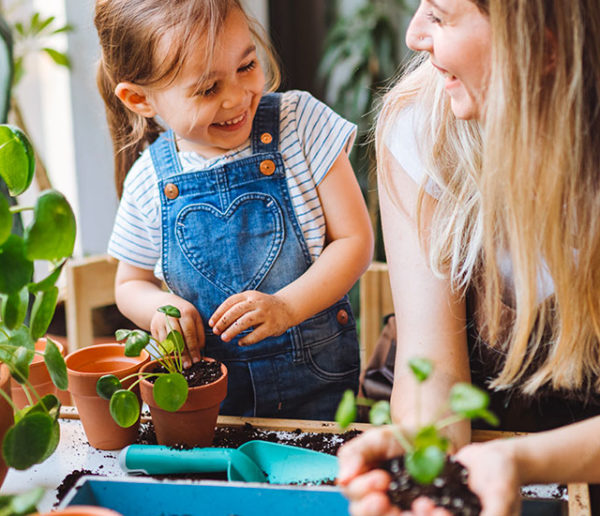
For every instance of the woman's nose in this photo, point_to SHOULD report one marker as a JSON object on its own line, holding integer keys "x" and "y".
{"x": 233, "y": 97}
{"x": 417, "y": 35}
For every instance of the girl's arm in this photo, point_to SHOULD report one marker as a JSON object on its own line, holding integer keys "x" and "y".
{"x": 138, "y": 294}
{"x": 430, "y": 317}
{"x": 347, "y": 254}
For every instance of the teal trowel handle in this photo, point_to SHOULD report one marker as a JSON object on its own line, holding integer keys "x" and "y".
{"x": 162, "y": 460}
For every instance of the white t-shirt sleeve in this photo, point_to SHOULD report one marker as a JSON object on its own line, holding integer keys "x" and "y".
{"x": 322, "y": 133}
{"x": 136, "y": 234}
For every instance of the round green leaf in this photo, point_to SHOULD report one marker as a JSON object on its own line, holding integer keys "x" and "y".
{"x": 124, "y": 408}
{"x": 430, "y": 436}
{"x": 421, "y": 368}
{"x": 425, "y": 464}
{"x": 174, "y": 342}
{"x": 107, "y": 385}
{"x": 15, "y": 269}
{"x": 170, "y": 310}
{"x": 49, "y": 404}
{"x": 48, "y": 282}
{"x": 56, "y": 365}
{"x": 19, "y": 363}
{"x": 122, "y": 334}
{"x": 346, "y": 411}
{"x": 380, "y": 413}
{"x": 28, "y": 441}
{"x": 51, "y": 236}
{"x": 17, "y": 160}
{"x": 14, "y": 308}
{"x": 467, "y": 400}
{"x": 170, "y": 391}
{"x": 26, "y": 503}
{"x": 6, "y": 219}
{"x": 136, "y": 341}
{"x": 42, "y": 312}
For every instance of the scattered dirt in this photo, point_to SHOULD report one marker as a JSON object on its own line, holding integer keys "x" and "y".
{"x": 199, "y": 373}
{"x": 449, "y": 490}
{"x": 69, "y": 481}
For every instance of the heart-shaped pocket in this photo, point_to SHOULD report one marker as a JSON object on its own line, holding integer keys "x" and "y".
{"x": 234, "y": 249}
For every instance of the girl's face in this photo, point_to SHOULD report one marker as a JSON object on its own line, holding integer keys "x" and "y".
{"x": 457, "y": 36}
{"x": 214, "y": 115}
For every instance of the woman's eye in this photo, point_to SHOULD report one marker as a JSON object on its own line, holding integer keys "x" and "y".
{"x": 246, "y": 68}
{"x": 207, "y": 91}
{"x": 433, "y": 18}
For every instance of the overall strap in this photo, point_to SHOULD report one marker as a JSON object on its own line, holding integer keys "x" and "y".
{"x": 164, "y": 155}
{"x": 265, "y": 129}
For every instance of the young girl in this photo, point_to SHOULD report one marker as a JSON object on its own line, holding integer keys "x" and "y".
{"x": 489, "y": 171}
{"x": 244, "y": 203}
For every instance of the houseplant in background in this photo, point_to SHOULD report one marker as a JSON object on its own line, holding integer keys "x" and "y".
{"x": 184, "y": 403}
{"x": 49, "y": 237}
{"x": 426, "y": 469}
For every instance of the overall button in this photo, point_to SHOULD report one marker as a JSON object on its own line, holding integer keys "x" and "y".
{"x": 171, "y": 191}
{"x": 267, "y": 167}
{"x": 266, "y": 138}
{"x": 342, "y": 316}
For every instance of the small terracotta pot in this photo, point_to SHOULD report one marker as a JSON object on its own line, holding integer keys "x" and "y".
{"x": 39, "y": 377}
{"x": 6, "y": 415}
{"x": 82, "y": 510}
{"x": 84, "y": 367}
{"x": 194, "y": 423}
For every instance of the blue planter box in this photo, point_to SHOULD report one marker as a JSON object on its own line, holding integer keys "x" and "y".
{"x": 154, "y": 498}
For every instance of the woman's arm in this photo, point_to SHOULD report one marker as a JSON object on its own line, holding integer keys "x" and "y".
{"x": 430, "y": 317}
{"x": 138, "y": 294}
{"x": 345, "y": 257}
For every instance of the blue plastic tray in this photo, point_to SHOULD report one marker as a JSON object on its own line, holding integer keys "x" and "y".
{"x": 152, "y": 498}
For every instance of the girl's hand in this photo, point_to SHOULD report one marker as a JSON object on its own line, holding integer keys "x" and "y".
{"x": 268, "y": 314}
{"x": 493, "y": 476}
{"x": 189, "y": 325}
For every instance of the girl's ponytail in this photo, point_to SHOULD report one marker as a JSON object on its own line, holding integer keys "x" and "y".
{"x": 130, "y": 132}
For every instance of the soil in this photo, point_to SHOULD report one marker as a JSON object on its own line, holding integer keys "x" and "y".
{"x": 449, "y": 490}
{"x": 200, "y": 373}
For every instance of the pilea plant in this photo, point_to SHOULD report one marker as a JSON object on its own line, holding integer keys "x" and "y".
{"x": 49, "y": 237}
{"x": 170, "y": 388}
{"x": 426, "y": 448}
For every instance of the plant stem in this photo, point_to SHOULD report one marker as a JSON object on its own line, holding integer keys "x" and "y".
{"x": 450, "y": 420}
{"x": 7, "y": 398}
{"x": 401, "y": 438}
{"x": 19, "y": 209}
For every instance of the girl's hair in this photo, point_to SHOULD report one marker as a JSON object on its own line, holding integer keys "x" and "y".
{"x": 522, "y": 184}
{"x": 130, "y": 32}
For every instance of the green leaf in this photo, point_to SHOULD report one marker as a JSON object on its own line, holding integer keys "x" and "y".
{"x": 175, "y": 342}
{"x": 425, "y": 464}
{"x": 51, "y": 236}
{"x": 14, "y": 308}
{"x": 49, "y": 404}
{"x": 107, "y": 385}
{"x": 468, "y": 400}
{"x": 421, "y": 368}
{"x": 49, "y": 281}
{"x": 17, "y": 160}
{"x": 430, "y": 436}
{"x": 380, "y": 413}
{"x": 15, "y": 269}
{"x": 19, "y": 365}
{"x": 170, "y": 310}
{"x": 42, "y": 312}
{"x": 56, "y": 365}
{"x": 136, "y": 341}
{"x": 58, "y": 57}
{"x": 23, "y": 503}
{"x": 122, "y": 334}
{"x": 124, "y": 408}
{"x": 170, "y": 391}
{"x": 6, "y": 220}
{"x": 29, "y": 440}
{"x": 346, "y": 411}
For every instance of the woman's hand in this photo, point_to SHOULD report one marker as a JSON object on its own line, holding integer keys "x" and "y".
{"x": 269, "y": 315}
{"x": 189, "y": 325}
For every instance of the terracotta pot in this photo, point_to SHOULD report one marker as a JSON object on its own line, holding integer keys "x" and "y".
{"x": 39, "y": 377}
{"x": 194, "y": 423}
{"x": 82, "y": 510}
{"x": 6, "y": 415}
{"x": 84, "y": 367}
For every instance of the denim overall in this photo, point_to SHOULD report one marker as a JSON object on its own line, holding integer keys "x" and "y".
{"x": 232, "y": 228}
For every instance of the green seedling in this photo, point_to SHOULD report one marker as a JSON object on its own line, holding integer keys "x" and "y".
{"x": 426, "y": 448}
{"x": 170, "y": 388}
{"x": 50, "y": 237}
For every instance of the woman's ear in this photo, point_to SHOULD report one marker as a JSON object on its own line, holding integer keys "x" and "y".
{"x": 134, "y": 97}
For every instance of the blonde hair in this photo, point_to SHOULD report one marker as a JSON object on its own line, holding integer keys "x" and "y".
{"x": 524, "y": 182}
{"x": 130, "y": 32}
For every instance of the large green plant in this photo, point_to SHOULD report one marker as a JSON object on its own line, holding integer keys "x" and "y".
{"x": 50, "y": 237}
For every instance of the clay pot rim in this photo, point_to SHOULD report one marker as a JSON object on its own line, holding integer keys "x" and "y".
{"x": 131, "y": 363}
{"x": 197, "y": 388}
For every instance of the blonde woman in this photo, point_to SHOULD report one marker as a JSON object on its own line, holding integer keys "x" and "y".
{"x": 490, "y": 197}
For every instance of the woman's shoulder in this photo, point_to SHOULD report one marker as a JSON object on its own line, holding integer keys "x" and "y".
{"x": 140, "y": 175}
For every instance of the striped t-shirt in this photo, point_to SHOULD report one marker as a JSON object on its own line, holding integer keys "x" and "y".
{"x": 311, "y": 138}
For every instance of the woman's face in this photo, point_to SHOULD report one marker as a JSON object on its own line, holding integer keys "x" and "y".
{"x": 457, "y": 36}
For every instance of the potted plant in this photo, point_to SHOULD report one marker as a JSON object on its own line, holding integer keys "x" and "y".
{"x": 50, "y": 237}
{"x": 181, "y": 413}
{"x": 426, "y": 469}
